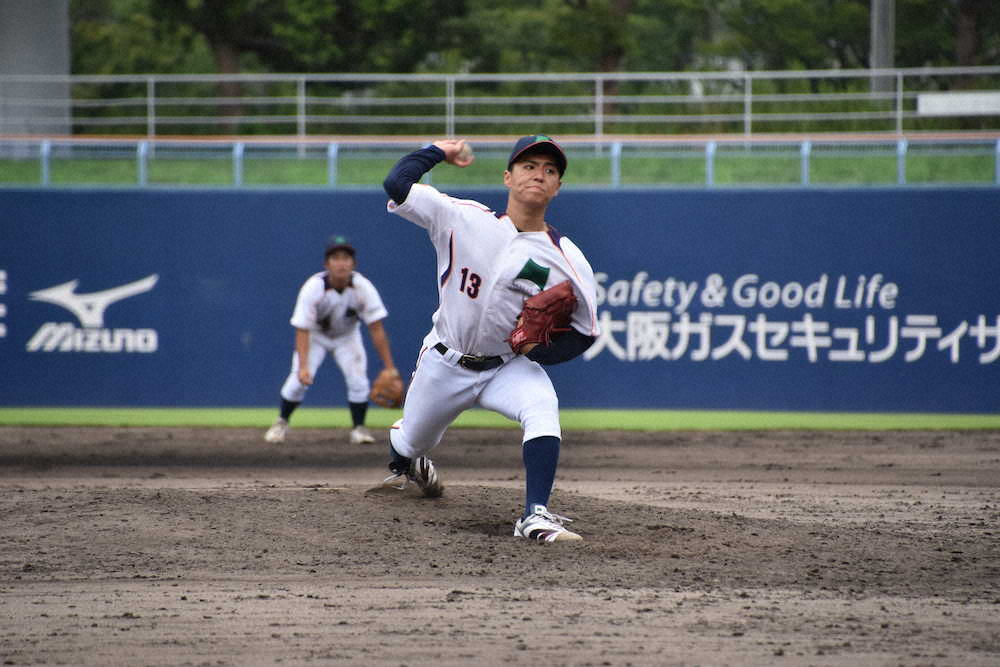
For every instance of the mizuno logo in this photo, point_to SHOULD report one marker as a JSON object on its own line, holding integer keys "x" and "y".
{"x": 89, "y": 308}
{"x": 64, "y": 337}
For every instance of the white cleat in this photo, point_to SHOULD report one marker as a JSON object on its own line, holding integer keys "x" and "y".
{"x": 422, "y": 473}
{"x": 277, "y": 431}
{"x": 361, "y": 436}
{"x": 425, "y": 475}
{"x": 543, "y": 526}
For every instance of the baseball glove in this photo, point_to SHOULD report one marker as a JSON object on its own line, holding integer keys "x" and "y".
{"x": 387, "y": 390}
{"x": 548, "y": 311}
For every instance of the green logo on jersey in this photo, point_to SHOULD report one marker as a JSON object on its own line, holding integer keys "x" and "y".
{"x": 535, "y": 273}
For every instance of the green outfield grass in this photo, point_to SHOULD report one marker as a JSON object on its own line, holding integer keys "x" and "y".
{"x": 668, "y": 169}
{"x": 643, "y": 420}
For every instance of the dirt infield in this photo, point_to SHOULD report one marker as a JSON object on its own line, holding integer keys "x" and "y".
{"x": 210, "y": 547}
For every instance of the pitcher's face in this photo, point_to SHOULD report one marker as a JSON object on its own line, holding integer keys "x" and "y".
{"x": 533, "y": 179}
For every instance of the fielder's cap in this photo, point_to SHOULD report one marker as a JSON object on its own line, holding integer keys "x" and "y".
{"x": 338, "y": 243}
{"x": 539, "y": 143}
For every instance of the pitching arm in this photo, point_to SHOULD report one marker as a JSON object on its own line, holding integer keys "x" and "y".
{"x": 409, "y": 170}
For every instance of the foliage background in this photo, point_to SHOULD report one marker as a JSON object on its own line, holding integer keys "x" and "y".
{"x": 488, "y": 36}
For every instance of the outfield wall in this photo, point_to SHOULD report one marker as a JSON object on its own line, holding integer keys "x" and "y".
{"x": 805, "y": 299}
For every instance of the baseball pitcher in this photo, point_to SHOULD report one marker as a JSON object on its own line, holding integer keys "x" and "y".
{"x": 514, "y": 295}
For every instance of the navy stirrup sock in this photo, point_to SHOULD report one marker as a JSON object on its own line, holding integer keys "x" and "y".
{"x": 358, "y": 412}
{"x": 287, "y": 408}
{"x": 541, "y": 458}
{"x": 398, "y": 463}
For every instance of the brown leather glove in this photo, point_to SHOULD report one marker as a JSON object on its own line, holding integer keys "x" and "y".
{"x": 548, "y": 311}
{"x": 387, "y": 390}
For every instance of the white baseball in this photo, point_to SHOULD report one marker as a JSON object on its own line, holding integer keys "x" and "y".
{"x": 465, "y": 153}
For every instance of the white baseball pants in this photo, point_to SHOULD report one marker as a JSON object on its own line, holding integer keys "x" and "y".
{"x": 440, "y": 390}
{"x": 349, "y": 353}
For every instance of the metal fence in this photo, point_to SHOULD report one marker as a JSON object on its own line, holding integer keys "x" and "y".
{"x": 609, "y": 163}
{"x": 896, "y": 101}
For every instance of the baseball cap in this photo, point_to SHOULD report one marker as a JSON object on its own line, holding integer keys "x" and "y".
{"x": 338, "y": 243}
{"x": 546, "y": 144}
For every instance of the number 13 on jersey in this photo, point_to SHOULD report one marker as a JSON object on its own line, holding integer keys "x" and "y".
{"x": 470, "y": 283}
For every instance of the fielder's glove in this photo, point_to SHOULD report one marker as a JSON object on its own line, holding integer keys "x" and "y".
{"x": 387, "y": 390}
{"x": 548, "y": 311}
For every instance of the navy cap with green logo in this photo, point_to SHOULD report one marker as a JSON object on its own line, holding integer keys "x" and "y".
{"x": 338, "y": 243}
{"x": 542, "y": 144}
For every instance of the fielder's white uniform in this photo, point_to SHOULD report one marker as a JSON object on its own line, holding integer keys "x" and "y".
{"x": 486, "y": 269}
{"x": 333, "y": 319}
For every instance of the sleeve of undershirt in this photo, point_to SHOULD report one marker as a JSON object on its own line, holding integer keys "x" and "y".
{"x": 409, "y": 170}
{"x": 565, "y": 345}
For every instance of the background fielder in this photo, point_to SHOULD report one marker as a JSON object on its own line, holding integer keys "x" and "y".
{"x": 487, "y": 266}
{"x": 330, "y": 307}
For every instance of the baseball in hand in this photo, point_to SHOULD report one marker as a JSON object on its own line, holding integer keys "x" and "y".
{"x": 464, "y": 156}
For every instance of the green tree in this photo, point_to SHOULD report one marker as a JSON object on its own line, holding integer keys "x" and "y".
{"x": 580, "y": 35}
{"x": 229, "y": 36}
{"x": 312, "y": 35}
{"x": 821, "y": 34}
{"x": 670, "y": 36}
{"x": 122, "y": 37}
{"x": 794, "y": 34}
{"x": 950, "y": 33}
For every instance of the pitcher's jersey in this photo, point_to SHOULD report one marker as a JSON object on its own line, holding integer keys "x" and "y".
{"x": 487, "y": 268}
{"x": 322, "y": 309}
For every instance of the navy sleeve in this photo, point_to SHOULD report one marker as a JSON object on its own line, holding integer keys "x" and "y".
{"x": 409, "y": 170}
{"x": 565, "y": 345}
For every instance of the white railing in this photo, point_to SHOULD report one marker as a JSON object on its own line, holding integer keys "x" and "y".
{"x": 589, "y": 104}
{"x": 605, "y": 163}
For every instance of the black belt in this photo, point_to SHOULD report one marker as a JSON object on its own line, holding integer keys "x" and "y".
{"x": 471, "y": 362}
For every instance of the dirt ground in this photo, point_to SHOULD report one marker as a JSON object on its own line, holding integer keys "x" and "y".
{"x": 211, "y": 547}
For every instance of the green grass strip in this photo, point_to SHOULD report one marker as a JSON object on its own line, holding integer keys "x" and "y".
{"x": 646, "y": 167}
{"x": 642, "y": 420}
